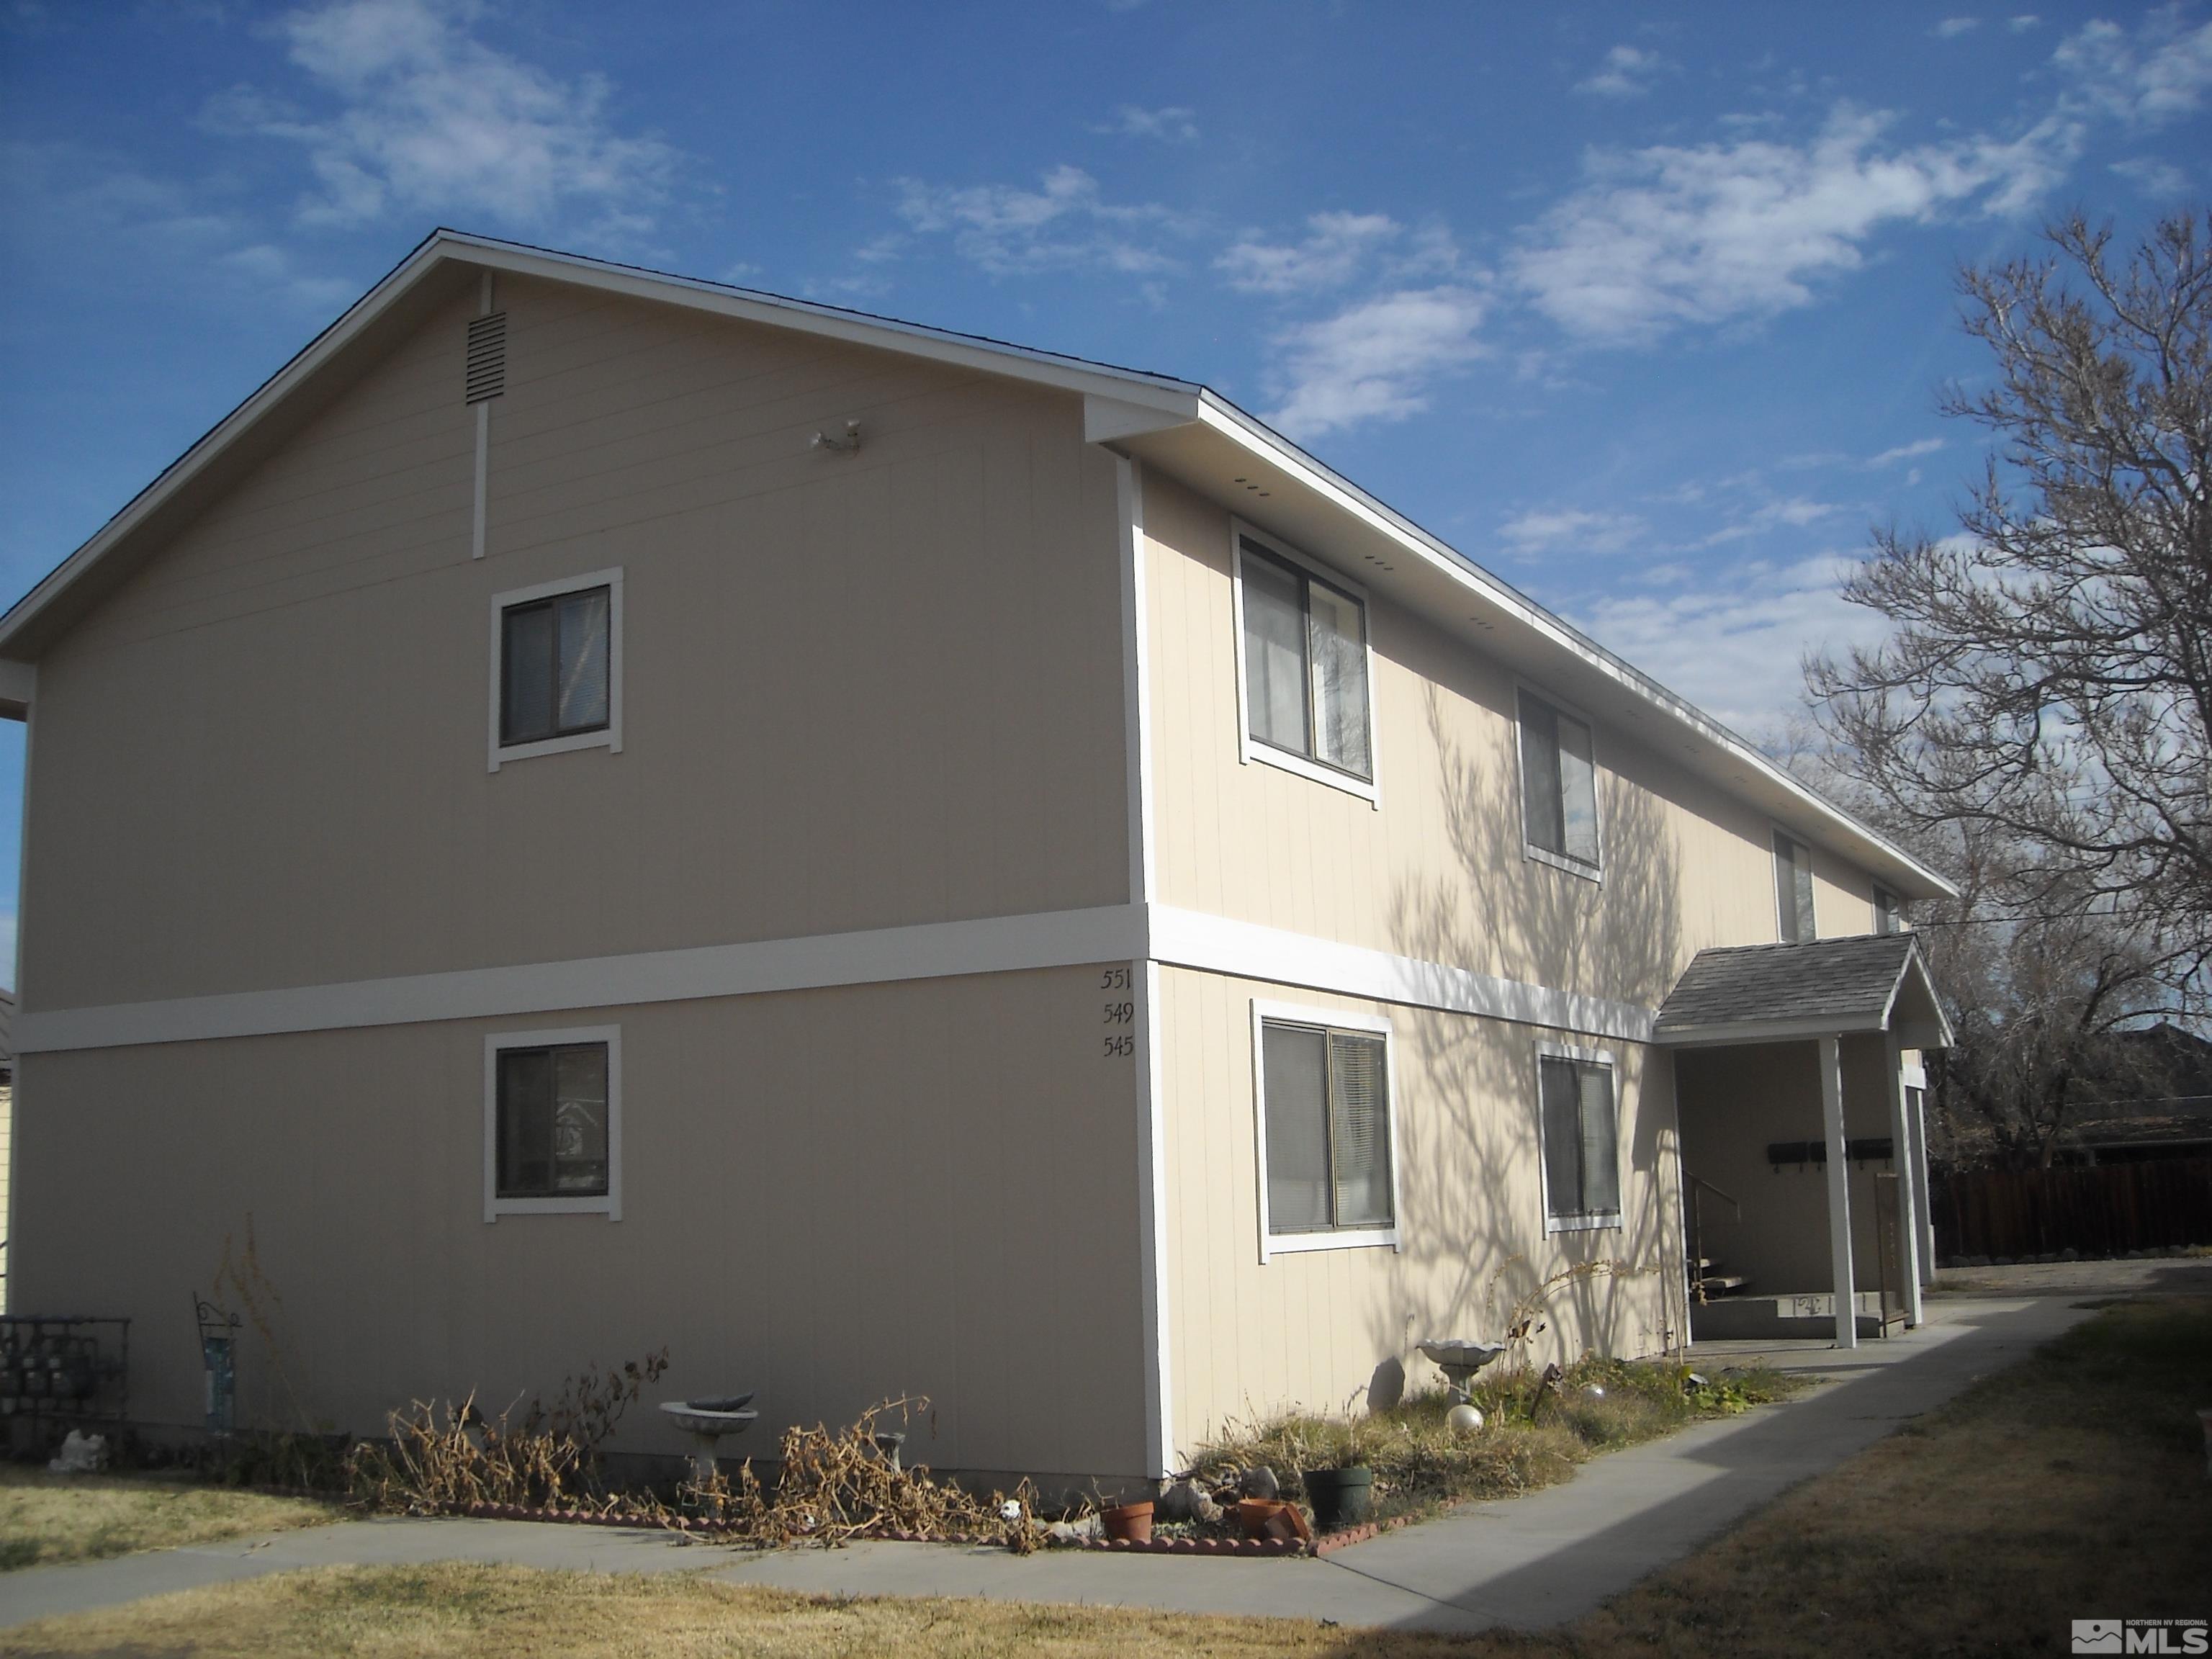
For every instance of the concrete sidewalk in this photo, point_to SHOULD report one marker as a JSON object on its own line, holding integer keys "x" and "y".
{"x": 1535, "y": 1561}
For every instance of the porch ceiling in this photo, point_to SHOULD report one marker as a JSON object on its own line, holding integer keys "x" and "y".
{"x": 1829, "y": 988}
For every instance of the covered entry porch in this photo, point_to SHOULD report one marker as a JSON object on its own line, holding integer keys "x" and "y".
{"x": 1804, "y": 1151}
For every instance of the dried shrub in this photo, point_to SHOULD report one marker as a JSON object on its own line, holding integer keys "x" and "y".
{"x": 441, "y": 1459}
{"x": 834, "y": 1486}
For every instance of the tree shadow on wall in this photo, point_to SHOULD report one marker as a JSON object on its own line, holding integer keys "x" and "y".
{"x": 1469, "y": 1181}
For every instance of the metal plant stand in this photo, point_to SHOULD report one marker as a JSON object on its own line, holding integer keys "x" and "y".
{"x": 64, "y": 1370}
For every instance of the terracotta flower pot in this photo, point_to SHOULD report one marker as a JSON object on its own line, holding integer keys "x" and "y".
{"x": 1132, "y": 1522}
{"x": 1266, "y": 1518}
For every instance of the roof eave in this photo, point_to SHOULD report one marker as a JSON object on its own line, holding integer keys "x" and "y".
{"x": 1141, "y": 396}
{"x": 1903, "y": 869}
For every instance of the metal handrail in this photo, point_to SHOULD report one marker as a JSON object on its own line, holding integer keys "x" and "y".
{"x": 1732, "y": 1203}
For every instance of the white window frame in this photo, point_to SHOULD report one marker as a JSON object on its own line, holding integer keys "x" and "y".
{"x": 1600, "y": 1220}
{"x": 610, "y": 737}
{"x": 1251, "y": 749}
{"x": 1273, "y": 1243}
{"x": 1813, "y": 872}
{"x": 1529, "y": 849}
{"x": 608, "y": 1203}
{"x": 1896, "y": 910}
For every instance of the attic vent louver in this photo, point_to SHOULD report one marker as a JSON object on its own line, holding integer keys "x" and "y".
{"x": 487, "y": 367}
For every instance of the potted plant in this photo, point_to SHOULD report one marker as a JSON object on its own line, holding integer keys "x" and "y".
{"x": 1133, "y": 1522}
{"x": 1340, "y": 1484}
{"x": 1342, "y": 1494}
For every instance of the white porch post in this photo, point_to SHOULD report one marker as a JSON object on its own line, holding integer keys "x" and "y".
{"x": 1908, "y": 1198}
{"x": 1919, "y": 1116}
{"x": 1839, "y": 1194}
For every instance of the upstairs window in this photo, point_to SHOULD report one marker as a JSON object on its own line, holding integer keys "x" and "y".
{"x": 553, "y": 667}
{"x": 557, "y": 658}
{"x": 1325, "y": 1133}
{"x": 1559, "y": 786}
{"x": 1888, "y": 915}
{"x": 1305, "y": 665}
{"x": 1581, "y": 1138}
{"x": 1793, "y": 889}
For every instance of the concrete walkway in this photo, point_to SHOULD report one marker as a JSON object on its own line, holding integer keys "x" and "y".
{"x": 1530, "y": 1562}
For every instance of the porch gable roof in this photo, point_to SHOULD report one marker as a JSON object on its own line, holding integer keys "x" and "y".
{"x": 1826, "y": 988}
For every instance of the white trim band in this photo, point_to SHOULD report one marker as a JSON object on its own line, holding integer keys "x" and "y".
{"x": 994, "y": 945}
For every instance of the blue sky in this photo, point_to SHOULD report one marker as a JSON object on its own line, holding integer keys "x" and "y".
{"x": 1644, "y": 307}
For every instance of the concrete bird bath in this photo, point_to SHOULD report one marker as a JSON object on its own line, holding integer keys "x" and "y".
{"x": 707, "y": 1421}
{"x": 1459, "y": 1361}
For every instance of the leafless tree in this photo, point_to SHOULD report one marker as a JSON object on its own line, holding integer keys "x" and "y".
{"x": 2042, "y": 698}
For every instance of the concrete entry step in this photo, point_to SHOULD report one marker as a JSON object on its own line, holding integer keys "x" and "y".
{"x": 1806, "y": 1314}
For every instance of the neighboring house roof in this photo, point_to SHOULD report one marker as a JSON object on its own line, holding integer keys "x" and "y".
{"x": 1831, "y": 987}
{"x": 1185, "y": 428}
{"x": 2185, "y": 1122}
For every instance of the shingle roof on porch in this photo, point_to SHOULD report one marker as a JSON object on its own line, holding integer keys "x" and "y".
{"x": 1775, "y": 993}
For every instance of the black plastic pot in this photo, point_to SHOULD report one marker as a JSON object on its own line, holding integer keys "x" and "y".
{"x": 1340, "y": 1497}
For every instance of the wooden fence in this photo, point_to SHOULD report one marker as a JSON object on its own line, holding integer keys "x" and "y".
{"x": 2107, "y": 1210}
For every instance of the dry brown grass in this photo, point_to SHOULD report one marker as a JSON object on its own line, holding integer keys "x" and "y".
{"x": 80, "y": 1518}
{"x": 2069, "y": 1486}
{"x": 506, "y": 1613}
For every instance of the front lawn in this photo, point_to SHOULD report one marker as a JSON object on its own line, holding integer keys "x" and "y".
{"x": 80, "y": 1517}
{"x": 2069, "y": 1486}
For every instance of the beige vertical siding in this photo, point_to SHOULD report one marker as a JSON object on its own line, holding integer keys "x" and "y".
{"x": 262, "y": 763}
{"x": 1437, "y": 870}
{"x": 1311, "y": 1329}
{"x": 833, "y": 1197}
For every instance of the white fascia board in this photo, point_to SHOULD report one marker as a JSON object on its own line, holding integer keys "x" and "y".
{"x": 1916, "y": 966}
{"x": 1241, "y": 429}
{"x": 18, "y": 681}
{"x": 1734, "y": 1033}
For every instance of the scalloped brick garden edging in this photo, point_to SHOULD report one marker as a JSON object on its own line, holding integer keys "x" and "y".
{"x": 1193, "y": 1546}
{"x": 1328, "y": 1543}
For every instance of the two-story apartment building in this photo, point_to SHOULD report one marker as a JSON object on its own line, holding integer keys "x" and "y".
{"x": 602, "y": 810}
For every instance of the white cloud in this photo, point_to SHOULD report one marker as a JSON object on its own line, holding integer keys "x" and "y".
{"x": 1906, "y": 451}
{"x": 1009, "y": 231}
{"x": 1338, "y": 244}
{"x": 2159, "y": 74}
{"x": 273, "y": 268}
{"x": 2152, "y": 176}
{"x": 124, "y": 219}
{"x": 1732, "y": 641}
{"x": 430, "y": 120}
{"x": 1374, "y": 360}
{"x": 1794, "y": 512}
{"x": 1571, "y": 529}
{"x": 2022, "y": 22}
{"x": 1624, "y": 72}
{"x": 1952, "y": 28}
{"x": 1666, "y": 236}
{"x": 1172, "y": 125}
